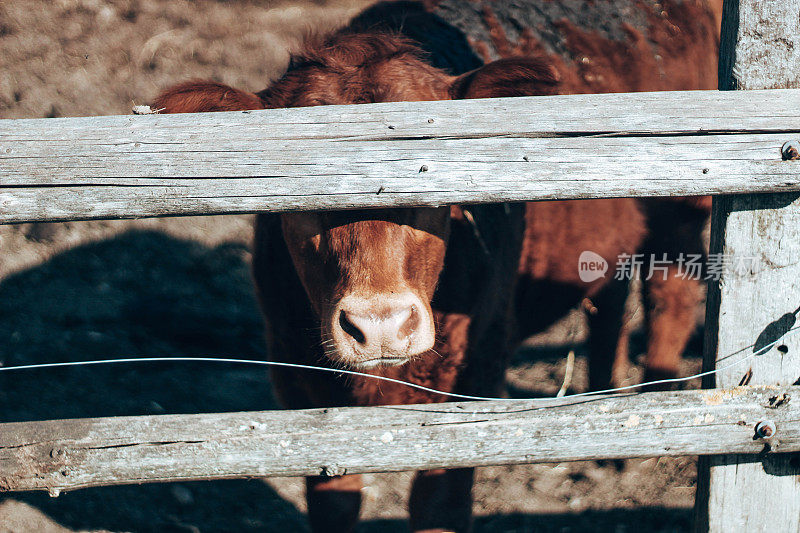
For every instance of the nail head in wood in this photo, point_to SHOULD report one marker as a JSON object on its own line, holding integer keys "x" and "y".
{"x": 765, "y": 429}
{"x": 790, "y": 151}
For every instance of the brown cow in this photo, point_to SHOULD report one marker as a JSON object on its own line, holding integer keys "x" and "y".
{"x": 413, "y": 294}
{"x": 383, "y": 315}
{"x": 595, "y": 46}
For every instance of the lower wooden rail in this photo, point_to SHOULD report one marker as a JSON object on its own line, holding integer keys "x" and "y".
{"x": 58, "y": 455}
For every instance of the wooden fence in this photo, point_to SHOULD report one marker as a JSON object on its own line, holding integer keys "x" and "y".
{"x": 68, "y": 454}
{"x": 399, "y": 154}
{"x": 423, "y": 154}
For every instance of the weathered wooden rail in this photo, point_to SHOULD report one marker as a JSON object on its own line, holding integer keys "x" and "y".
{"x": 420, "y": 154}
{"x": 70, "y": 454}
{"x": 400, "y": 154}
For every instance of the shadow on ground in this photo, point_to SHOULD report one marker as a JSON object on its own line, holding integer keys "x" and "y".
{"x": 253, "y": 506}
{"x": 142, "y": 294}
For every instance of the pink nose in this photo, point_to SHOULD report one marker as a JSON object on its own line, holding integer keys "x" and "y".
{"x": 381, "y": 329}
{"x": 389, "y": 330}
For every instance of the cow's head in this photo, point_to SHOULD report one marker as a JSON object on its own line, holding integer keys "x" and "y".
{"x": 369, "y": 274}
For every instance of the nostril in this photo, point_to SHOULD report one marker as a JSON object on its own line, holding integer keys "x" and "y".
{"x": 410, "y": 325}
{"x": 351, "y": 329}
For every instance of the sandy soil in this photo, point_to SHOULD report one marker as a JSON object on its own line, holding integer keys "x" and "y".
{"x": 177, "y": 287}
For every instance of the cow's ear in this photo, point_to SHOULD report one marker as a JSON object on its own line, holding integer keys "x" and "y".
{"x": 198, "y": 96}
{"x": 518, "y": 76}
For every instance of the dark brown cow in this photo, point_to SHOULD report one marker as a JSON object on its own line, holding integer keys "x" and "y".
{"x": 412, "y": 294}
{"x": 595, "y": 46}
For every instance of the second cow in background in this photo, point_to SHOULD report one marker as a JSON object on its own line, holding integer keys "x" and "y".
{"x": 594, "y": 46}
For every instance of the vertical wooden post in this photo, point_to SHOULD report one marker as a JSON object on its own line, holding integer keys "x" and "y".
{"x": 759, "y": 49}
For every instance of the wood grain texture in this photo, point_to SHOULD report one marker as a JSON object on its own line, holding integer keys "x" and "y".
{"x": 69, "y": 454}
{"x": 758, "y": 45}
{"x": 760, "y": 49}
{"x": 510, "y": 149}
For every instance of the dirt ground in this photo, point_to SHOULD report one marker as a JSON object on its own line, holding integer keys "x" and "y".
{"x": 181, "y": 287}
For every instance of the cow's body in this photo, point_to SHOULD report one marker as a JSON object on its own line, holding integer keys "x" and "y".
{"x": 595, "y": 46}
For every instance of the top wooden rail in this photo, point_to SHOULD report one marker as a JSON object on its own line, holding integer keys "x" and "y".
{"x": 398, "y": 155}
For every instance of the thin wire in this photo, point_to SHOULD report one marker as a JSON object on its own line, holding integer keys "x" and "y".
{"x": 384, "y": 378}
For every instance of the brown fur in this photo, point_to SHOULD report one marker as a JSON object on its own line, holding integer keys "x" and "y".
{"x": 557, "y": 232}
{"x": 507, "y": 77}
{"x": 593, "y": 47}
{"x": 304, "y": 263}
{"x": 208, "y": 96}
{"x": 354, "y": 69}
